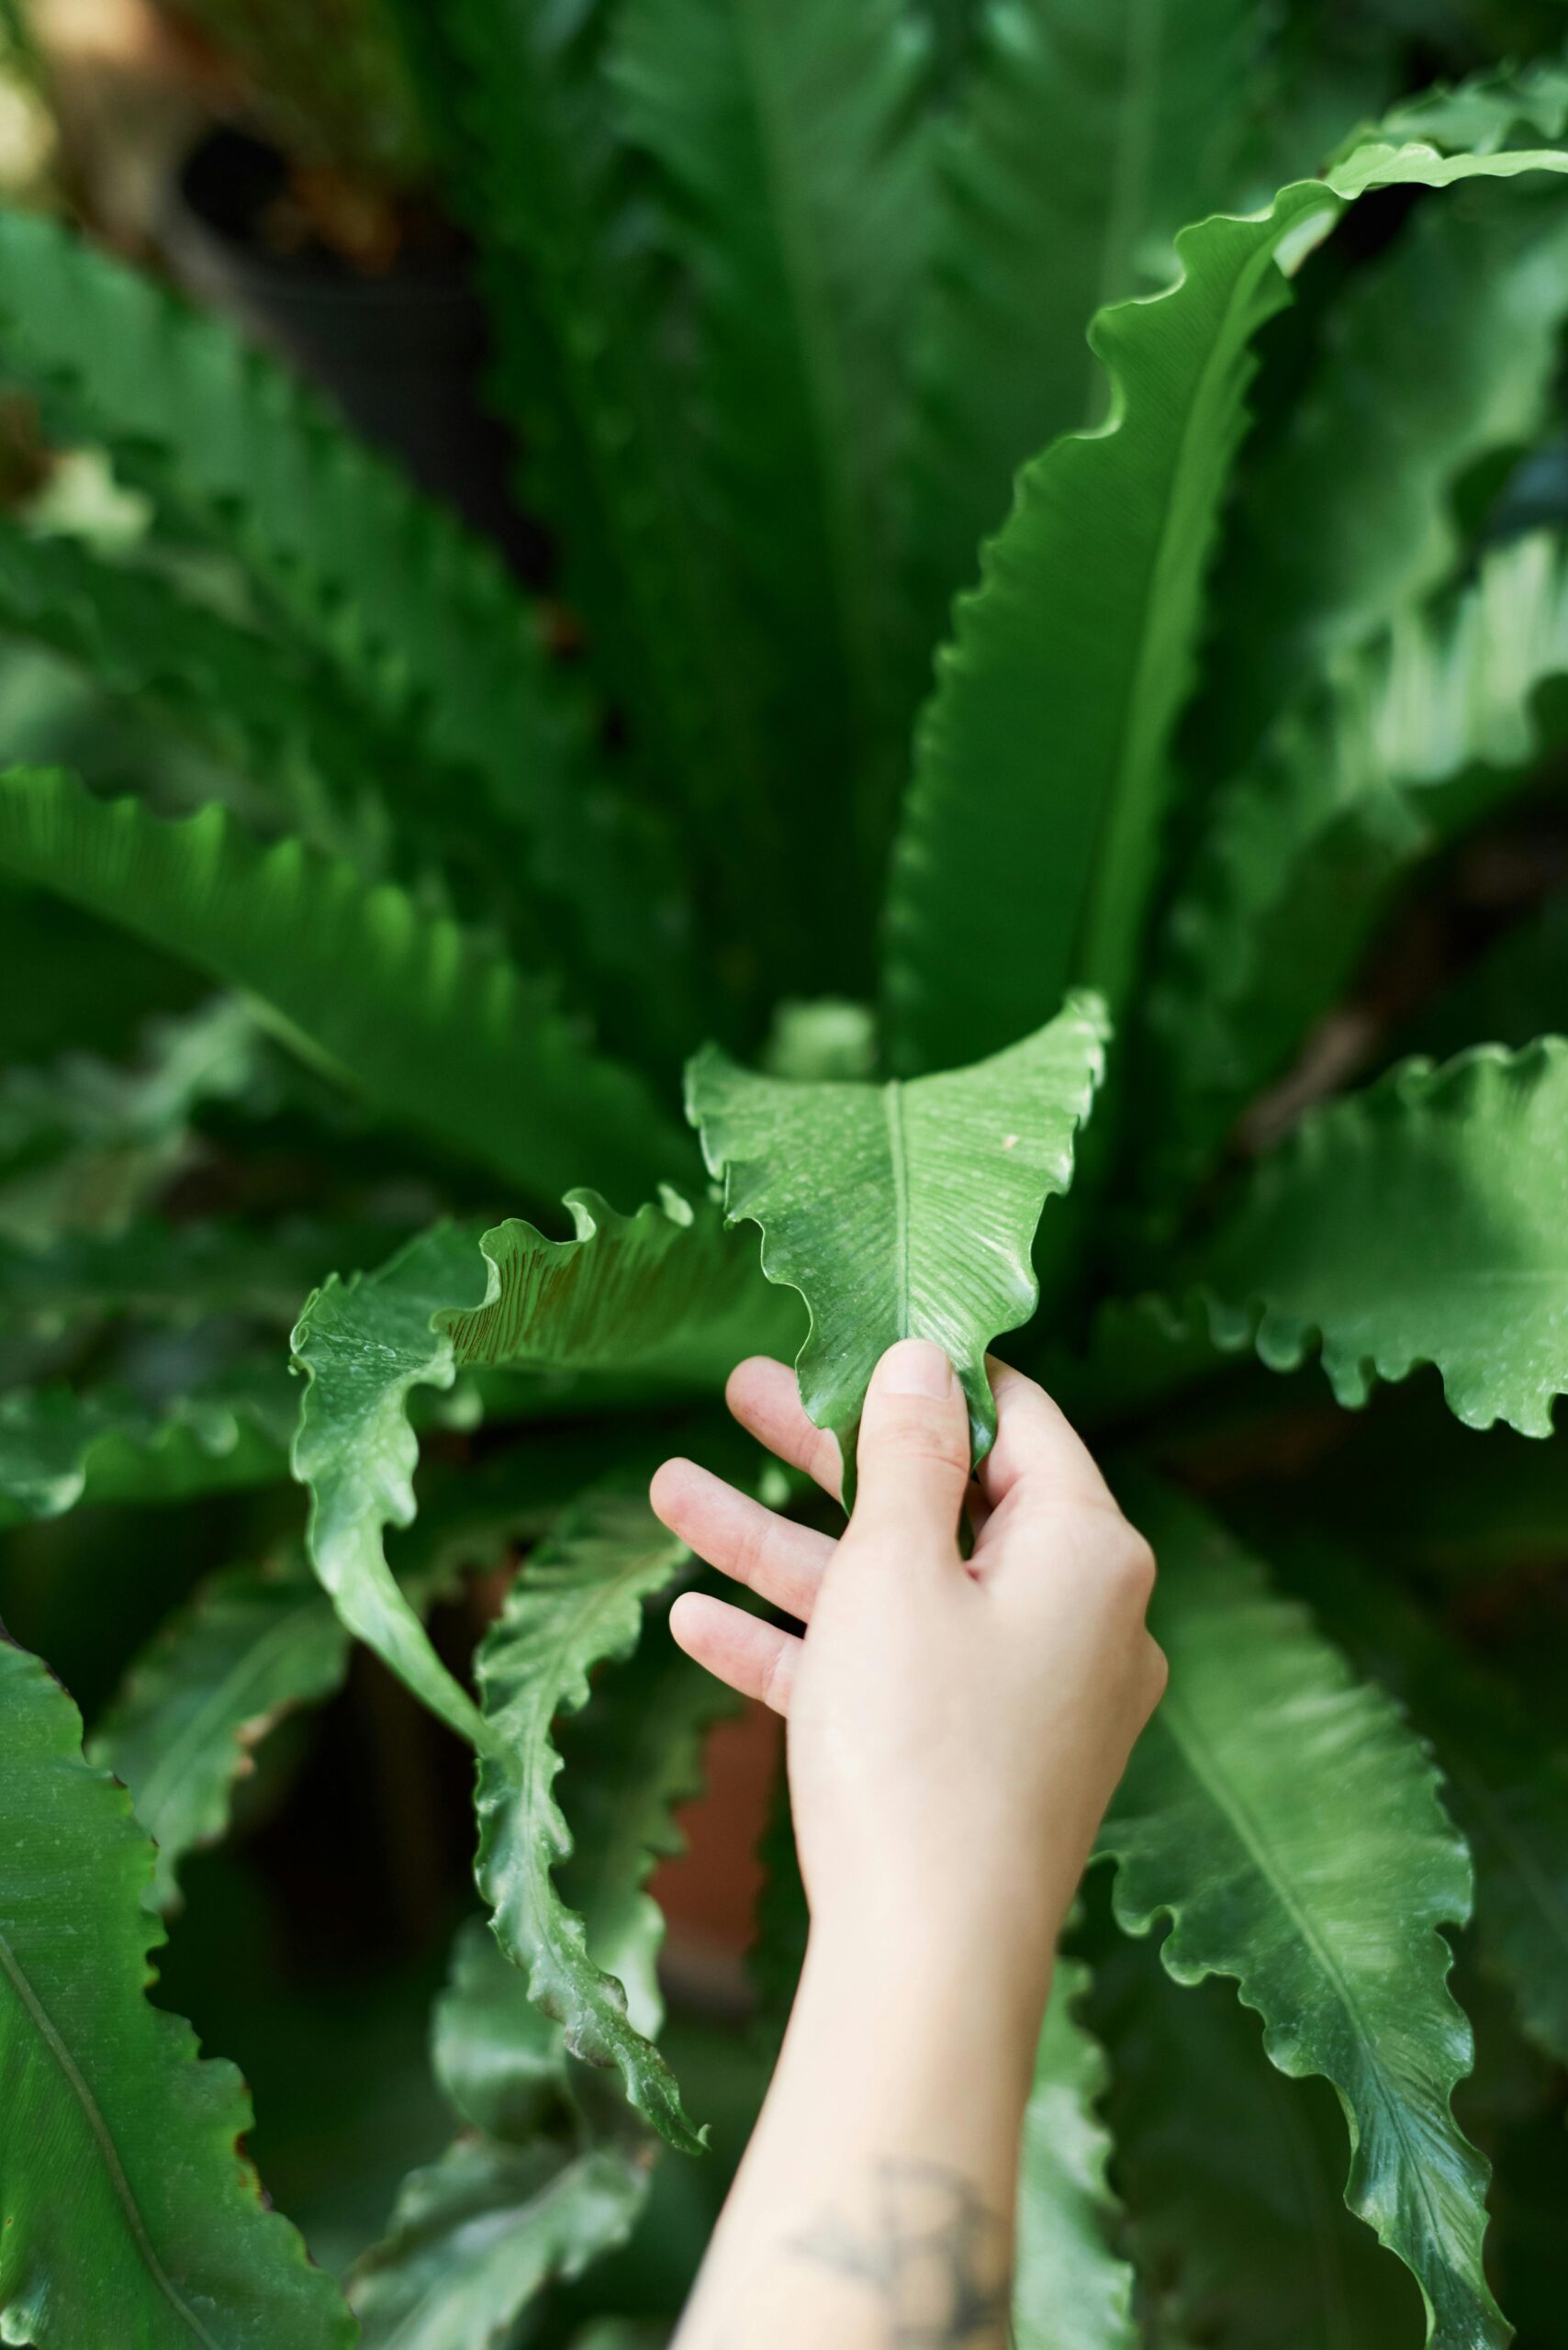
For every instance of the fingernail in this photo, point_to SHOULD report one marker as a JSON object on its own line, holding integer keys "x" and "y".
{"x": 916, "y": 1367}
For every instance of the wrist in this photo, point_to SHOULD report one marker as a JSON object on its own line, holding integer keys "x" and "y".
{"x": 980, "y": 1978}
{"x": 910, "y": 2057}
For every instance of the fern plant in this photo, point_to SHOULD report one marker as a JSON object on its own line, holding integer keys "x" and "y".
{"x": 1237, "y": 642}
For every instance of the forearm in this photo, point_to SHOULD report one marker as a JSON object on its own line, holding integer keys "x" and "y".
{"x": 946, "y": 1716}
{"x": 874, "y": 2208}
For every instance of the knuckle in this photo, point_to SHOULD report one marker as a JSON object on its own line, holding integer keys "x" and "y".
{"x": 931, "y": 1453}
{"x": 751, "y": 1555}
{"x": 1132, "y": 1567}
{"x": 1159, "y": 1666}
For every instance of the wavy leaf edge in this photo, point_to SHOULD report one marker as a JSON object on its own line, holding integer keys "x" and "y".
{"x": 1082, "y": 1010}
{"x": 345, "y": 1539}
{"x": 544, "y": 1938}
{"x": 1284, "y": 1341}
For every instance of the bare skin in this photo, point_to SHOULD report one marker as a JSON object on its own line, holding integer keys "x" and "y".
{"x": 955, "y": 1729}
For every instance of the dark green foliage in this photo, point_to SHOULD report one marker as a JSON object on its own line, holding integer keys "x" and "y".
{"x": 1226, "y": 785}
{"x": 330, "y": 82}
{"x": 126, "y": 2213}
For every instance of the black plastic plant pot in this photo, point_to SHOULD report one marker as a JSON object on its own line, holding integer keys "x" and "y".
{"x": 402, "y": 352}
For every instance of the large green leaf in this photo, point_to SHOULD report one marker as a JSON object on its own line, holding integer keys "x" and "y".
{"x": 475, "y": 1511}
{"x": 431, "y": 1024}
{"x": 1407, "y": 740}
{"x": 1506, "y": 1777}
{"x": 1070, "y": 2292}
{"x": 1033, "y": 833}
{"x": 1087, "y": 133}
{"x": 144, "y": 642}
{"x": 1283, "y": 1817}
{"x": 363, "y": 1346}
{"x": 794, "y": 158}
{"x": 60, "y": 1447}
{"x": 85, "y": 1143}
{"x": 253, "y": 1643}
{"x": 498, "y": 2059}
{"x": 1489, "y": 110}
{"x": 1231, "y": 2177}
{"x": 346, "y": 776}
{"x": 578, "y": 1602}
{"x": 632, "y": 1757}
{"x": 127, "y": 2213}
{"x": 178, "y": 1272}
{"x": 53, "y": 713}
{"x": 476, "y": 2233}
{"x": 93, "y": 987}
{"x": 1417, "y": 1222}
{"x": 388, "y": 588}
{"x": 666, "y": 1291}
{"x": 256, "y": 1642}
{"x": 1495, "y": 108}
{"x": 545, "y": 188}
{"x": 1346, "y": 517}
{"x": 904, "y": 1210}
{"x": 410, "y": 674}
{"x": 216, "y": 1052}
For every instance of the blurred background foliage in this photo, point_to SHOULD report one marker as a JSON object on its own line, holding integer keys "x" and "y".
{"x": 273, "y": 156}
{"x": 270, "y": 155}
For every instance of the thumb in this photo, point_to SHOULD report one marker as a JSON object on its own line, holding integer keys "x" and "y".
{"x": 912, "y": 1460}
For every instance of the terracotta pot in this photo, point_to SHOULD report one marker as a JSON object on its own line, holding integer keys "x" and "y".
{"x": 709, "y": 1894}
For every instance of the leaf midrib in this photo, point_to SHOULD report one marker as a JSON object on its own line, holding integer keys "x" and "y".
{"x": 11, "y": 1965}
{"x": 898, "y": 1157}
{"x": 827, "y": 399}
{"x": 1117, "y": 825}
{"x": 1209, "y": 1771}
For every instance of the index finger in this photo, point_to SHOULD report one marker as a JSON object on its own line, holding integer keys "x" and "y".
{"x": 1038, "y": 1451}
{"x": 763, "y": 1396}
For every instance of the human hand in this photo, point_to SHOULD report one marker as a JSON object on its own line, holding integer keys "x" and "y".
{"x": 956, "y": 1727}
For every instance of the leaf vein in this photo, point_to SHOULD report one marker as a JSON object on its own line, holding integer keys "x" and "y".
{"x": 110, "y": 2154}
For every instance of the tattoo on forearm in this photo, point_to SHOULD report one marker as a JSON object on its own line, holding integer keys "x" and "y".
{"x": 932, "y": 2252}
